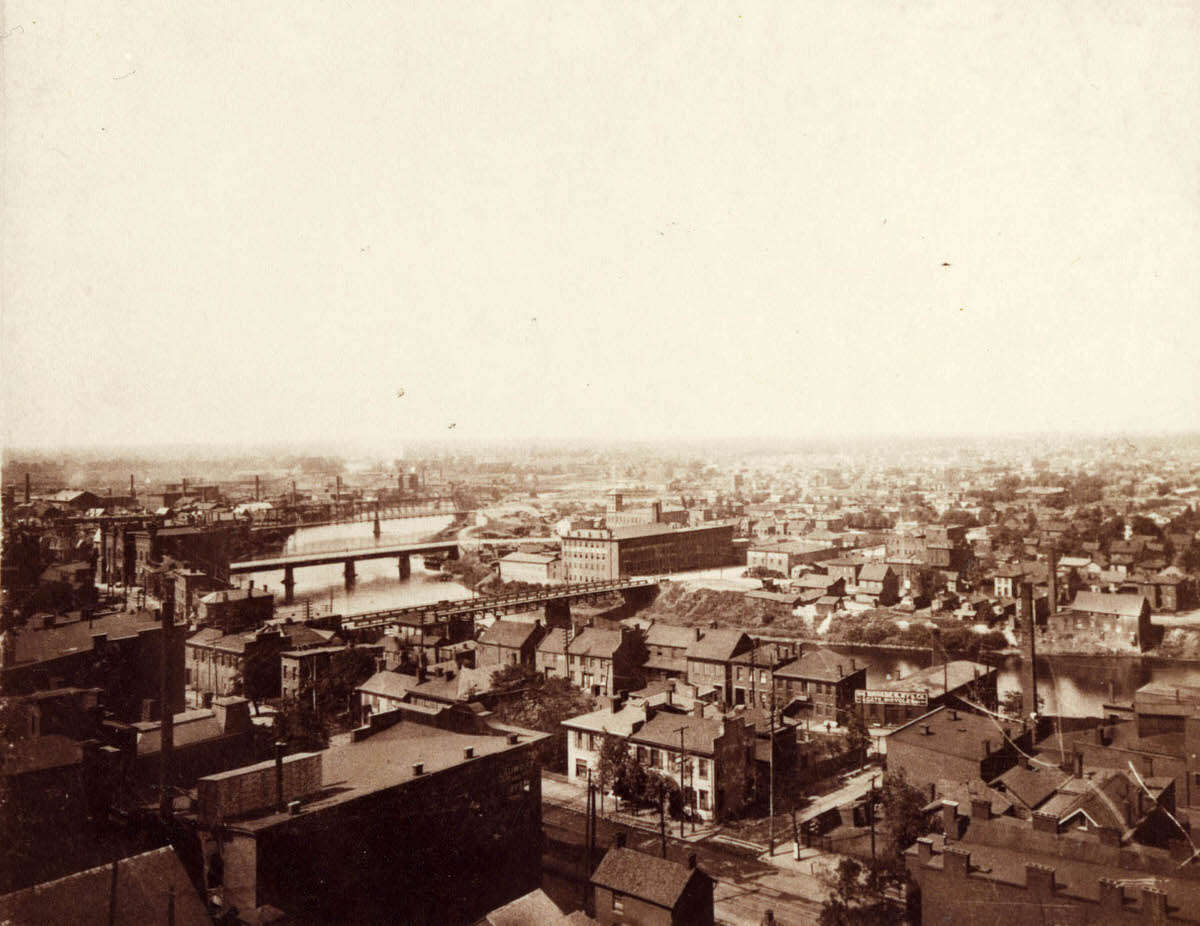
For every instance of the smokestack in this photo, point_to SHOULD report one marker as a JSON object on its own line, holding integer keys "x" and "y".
{"x": 183, "y": 486}
{"x": 280, "y": 803}
{"x": 337, "y": 493}
{"x": 1029, "y": 679}
{"x": 1052, "y": 597}
{"x": 132, "y": 490}
{"x": 166, "y": 804}
{"x": 27, "y": 496}
{"x": 257, "y": 490}
{"x": 293, "y": 491}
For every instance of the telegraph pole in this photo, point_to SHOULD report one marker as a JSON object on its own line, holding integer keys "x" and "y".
{"x": 771, "y": 806}
{"x": 662, "y": 819}
{"x": 682, "y": 772}
{"x": 871, "y": 811}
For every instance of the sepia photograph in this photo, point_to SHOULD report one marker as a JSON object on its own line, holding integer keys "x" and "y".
{"x": 625, "y": 463}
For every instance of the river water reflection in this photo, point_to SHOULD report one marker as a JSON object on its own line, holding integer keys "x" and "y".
{"x": 378, "y": 585}
{"x": 1071, "y": 686}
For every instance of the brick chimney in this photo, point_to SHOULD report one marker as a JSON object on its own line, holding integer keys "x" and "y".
{"x": 1039, "y": 881}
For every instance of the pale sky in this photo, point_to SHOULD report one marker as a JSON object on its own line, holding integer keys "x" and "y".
{"x": 260, "y": 221}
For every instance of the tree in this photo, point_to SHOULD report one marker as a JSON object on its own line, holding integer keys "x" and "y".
{"x": 858, "y": 737}
{"x": 857, "y": 898}
{"x": 543, "y": 706}
{"x": 614, "y": 756}
{"x": 1013, "y": 704}
{"x": 903, "y": 809}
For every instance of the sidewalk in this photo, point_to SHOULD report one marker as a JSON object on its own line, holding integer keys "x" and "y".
{"x": 574, "y": 797}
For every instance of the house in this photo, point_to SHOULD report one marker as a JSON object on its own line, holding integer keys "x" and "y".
{"x": 771, "y": 605}
{"x": 708, "y": 660}
{"x": 509, "y": 643}
{"x": 846, "y": 568}
{"x": 382, "y": 692}
{"x": 308, "y": 672}
{"x": 236, "y": 609}
{"x": 750, "y": 680}
{"x": 606, "y": 662}
{"x": 712, "y": 756}
{"x": 878, "y": 584}
{"x": 666, "y": 650}
{"x": 121, "y": 653}
{"x": 819, "y": 686}
{"x": 644, "y": 890}
{"x": 619, "y": 717}
{"x": 1117, "y": 618}
{"x": 534, "y": 568}
{"x": 550, "y": 657}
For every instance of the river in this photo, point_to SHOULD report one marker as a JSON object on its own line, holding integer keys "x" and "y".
{"x": 378, "y": 584}
{"x": 1070, "y": 686}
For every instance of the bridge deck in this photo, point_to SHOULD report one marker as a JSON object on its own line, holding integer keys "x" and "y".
{"x": 471, "y": 606}
{"x": 296, "y": 560}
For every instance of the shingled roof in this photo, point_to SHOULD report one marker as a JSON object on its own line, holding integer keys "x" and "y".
{"x": 647, "y": 877}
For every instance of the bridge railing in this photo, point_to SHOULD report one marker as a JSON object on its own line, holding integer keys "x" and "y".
{"x": 469, "y": 605}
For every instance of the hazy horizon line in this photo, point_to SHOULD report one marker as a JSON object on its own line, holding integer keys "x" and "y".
{"x": 463, "y": 441}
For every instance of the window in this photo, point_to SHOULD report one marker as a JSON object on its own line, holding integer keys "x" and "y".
{"x": 581, "y": 768}
{"x": 703, "y": 799}
{"x": 618, "y": 904}
{"x": 578, "y": 739}
{"x": 702, "y": 769}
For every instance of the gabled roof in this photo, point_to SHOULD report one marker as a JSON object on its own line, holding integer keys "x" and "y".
{"x": 142, "y": 886}
{"x": 669, "y": 635}
{"x": 874, "y": 572}
{"x": 656, "y": 880}
{"x": 719, "y": 645}
{"x": 596, "y": 642}
{"x": 555, "y": 641}
{"x": 1121, "y": 605}
{"x": 820, "y": 664}
{"x": 511, "y": 634}
{"x": 388, "y": 684}
{"x": 533, "y": 909}
{"x": 1031, "y": 785}
{"x": 699, "y": 733}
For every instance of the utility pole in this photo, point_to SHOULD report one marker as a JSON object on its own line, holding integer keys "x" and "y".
{"x": 166, "y": 715}
{"x": 662, "y": 819}
{"x": 682, "y": 772}
{"x": 587, "y": 842}
{"x": 771, "y": 805}
{"x": 871, "y": 811}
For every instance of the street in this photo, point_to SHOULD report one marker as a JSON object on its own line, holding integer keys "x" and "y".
{"x": 745, "y": 887}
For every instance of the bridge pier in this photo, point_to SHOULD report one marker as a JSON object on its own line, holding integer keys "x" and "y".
{"x": 558, "y": 613}
{"x": 349, "y": 573}
{"x": 405, "y": 567}
{"x": 289, "y": 584}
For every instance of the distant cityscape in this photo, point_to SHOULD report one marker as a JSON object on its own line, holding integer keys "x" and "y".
{"x": 835, "y": 682}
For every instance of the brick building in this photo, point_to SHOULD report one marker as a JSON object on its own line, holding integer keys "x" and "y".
{"x": 599, "y": 554}
{"x": 819, "y": 686}
{"x": 434, "y": 826}
{"x": 636, "y": 889}
{"x": 960, "y": 684}
{"x": 953, "y": 745}
{"x": 509, "y": 643}
{"x": 606, "y": 662}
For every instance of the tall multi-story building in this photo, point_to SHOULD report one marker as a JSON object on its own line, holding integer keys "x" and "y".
{"x": 600, "y": 554}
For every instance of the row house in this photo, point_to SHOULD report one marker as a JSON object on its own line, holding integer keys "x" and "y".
{"x": 819, "y": 686}
{"x": 509, "y": 643}
{"x": 708, "y": 660}
{"x": 606, "y": 662}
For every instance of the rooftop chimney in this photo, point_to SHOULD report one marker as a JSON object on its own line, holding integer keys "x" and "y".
{"x": 418, "y": 768}
{"x": 513, "y": 739}
{"x": 469, "y": 752}
{"x": 619, "y": 839}
{"x": 692, "y": 860}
